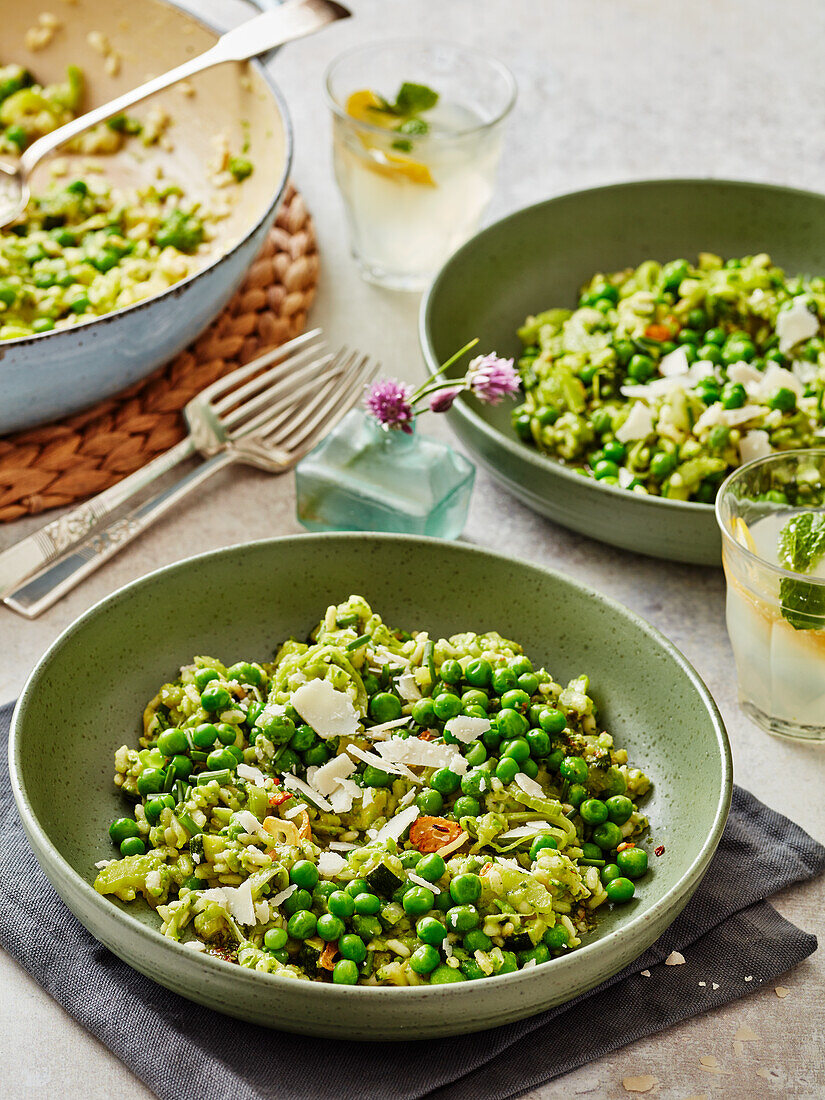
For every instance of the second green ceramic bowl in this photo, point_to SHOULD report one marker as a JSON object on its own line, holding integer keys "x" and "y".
{"x": 86, "y": 697}
{"x": 538, "y": 258}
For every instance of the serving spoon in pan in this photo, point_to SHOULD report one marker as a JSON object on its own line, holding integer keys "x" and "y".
{"x": 294, "y": 19}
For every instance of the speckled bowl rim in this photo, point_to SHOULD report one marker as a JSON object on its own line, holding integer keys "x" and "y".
{"x": 518, "y": 450}
{"x": 51, "y": 860}
{"x": 280, "y": 103}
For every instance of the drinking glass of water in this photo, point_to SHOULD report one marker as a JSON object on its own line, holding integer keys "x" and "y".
{"x": 772, "y": 516}
{"x": 417, "y": 131}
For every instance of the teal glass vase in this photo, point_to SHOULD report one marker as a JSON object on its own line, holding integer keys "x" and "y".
{"x": 364, "y": 478}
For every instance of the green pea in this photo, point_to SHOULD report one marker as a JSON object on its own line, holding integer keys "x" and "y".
{"x": 614, "y": 451}
{"x": 219, "y": 758}
{"x": 784, "y": 400}
{"x": 523, "y": 426}
{"x": 710, "y": 353}
{"x": 356, "y": 887}
{"x": 504, "y": 679}
{"x": 733, "y": 395}
{"x": 123, "y": 828}
{"x": 275, "y": 939}
{"x": 465, "y": 888}
{"x": 153, "y": 809}
{"x": 515, "y": 699}
{"x": 227, "y": 733}
{"x": 446, "y": 975}
{"x": 552, "y": 721}
{"x": 466, "y": 806}
{"x": 366, "y": 926}
{"x": 445, "y": 781}
{"x": 604, "y": 469}
{"x": 450, "y": 672}
{"x": 607, "y": 835}
{"x": 303, "y": 873}
{"x": 371, "y": 683}
{"x": 620, "y": 890}
{"x": 593, "y": 811}
{"x": 295, "y": 903}
{"x": 150, "y": 781}
{"x": 641, "y": 368}
{"x": 521, "y": 664}
{"x": 317, "y": 755}
{"x": 446, "y": 706}
{"x": 574, "y": 769}
{"x": 577, "y": 794}
{"x": 776, "y": 356}
{"x": 430, "y": 930}
{"x": 553, "y": 761}
{"x": 463, "y": 918}
{"x": 475, "y": 698}
{"x": 632, "y": 862}
{"x": 215, "y": 698}
{"x": 715, "y": 336}
{"x": 430, "y": 802}
{"x": 688, "y": 336}
{"x": 352, "y": 947}
{"x": 245, "y": 673}
{"x": 477, "y": 941}
{"x": 410, "y": 859}
{"x": 183, "y": 766}
{"x": 418, "y": 900}
{"x": 619, "y": 808}
{"x": 330, "y": 927}
{"x": 518, "y": 750}
{"x": 443, "y": 901}
{"x": 376, "y": 777}
{"x": 556, "y": 938}
{"x": 432, "y": 866}
{"x": 204, "y": 676}
{"x": 42, "y": 324}
{"x": 132, "y": 846}
{"x": 539, "y": 953}
{"x": 530, "y": 768}
{"x": 476, "y": 782}
{"x": 540, "y": 843}
{"x": 662, "y": 464}
{"x": 366, "y": 904}
{"x": 423, "y": 712}
{"x": 609, "y": 872}
{"x": 511, "y": 724}
{"x": 340, "y": 904}
{"x": 345, "y": 972}
{"x": 539, "y": 742}
{"x": 736, "y": 351}
{"x": 479, "y": 673}
{"x": 673, "y": 273}
{"x": 475, "y": 753}
{"x": 592, "y": 851}
{"x": 303, "y": 738}
{"x": 507, "y": 769}
{"x": 385, "y": 707}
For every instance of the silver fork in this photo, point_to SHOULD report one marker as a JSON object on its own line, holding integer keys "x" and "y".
{"x": 210, "y": 417}
{"x": 269, "y": 435}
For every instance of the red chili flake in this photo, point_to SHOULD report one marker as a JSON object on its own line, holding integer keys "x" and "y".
{"x": 660, "y": 851}
{"x": 627, "y": 844}
{"x": 428, "y": 735}
{"x": 277, "y": 799}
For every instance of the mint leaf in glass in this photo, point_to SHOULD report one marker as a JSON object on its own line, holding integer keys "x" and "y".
{"x": 801, "y": 547}
{"x": 412, "y": 99}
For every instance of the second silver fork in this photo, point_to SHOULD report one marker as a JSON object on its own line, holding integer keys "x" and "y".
{"x": 272, "y": 437}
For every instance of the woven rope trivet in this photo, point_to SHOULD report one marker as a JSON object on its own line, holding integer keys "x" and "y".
{"x": 74, "y": 458}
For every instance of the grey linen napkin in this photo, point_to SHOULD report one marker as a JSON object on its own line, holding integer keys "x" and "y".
{"x": 182, "y": 1051}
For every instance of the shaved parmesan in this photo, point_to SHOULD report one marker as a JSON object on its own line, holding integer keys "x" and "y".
{"x": 386, "y": 727}
{"x": 394, "y": 767}
{"x": 252, "y": 774}
{"x": 408, "y": 688}
{"x": 466, "y": 729}
{"x": 279, "y": 899}
{"x": 262, "y": 911}
{"x": 419, "y": 881}
{"x": 398, "y": 825}
{"x": 426, "y": 754}
{"x": 732, "y": 418}
{"x": 248, "y": 822}
{"x": 330, "y": 864}
{"x": 755, "y": 444}
{"x": 638, "y": 425}
{"x": 344, "y": 795}
{"x": 795, "y": 324}
{"x": 674, "y": 363}
{"x": 331, "y": 713}
{"x": 657, "y": 388}
{"x": 237, "y": 900}
{"x": 744, "y": 374}
{"x": 626, "y": 478}
{"x": 342, "y": 846}
{"x": 296, "y": 784}
{"x": 325, "y": 779}
{"x": 530, "y": 828}
{"x": 445, "y": 849}
{"x": 803, "y": 370}
{"x": 529, "y": 786}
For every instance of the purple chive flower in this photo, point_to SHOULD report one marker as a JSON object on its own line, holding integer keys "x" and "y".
{"x": 443, "y": 400}
{"x": 389, "y": 402}
{"x": 491, "y": 378}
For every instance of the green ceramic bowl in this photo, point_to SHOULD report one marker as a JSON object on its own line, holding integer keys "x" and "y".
{"x": 538, "y": 258}
{"x": 87, "y": 694}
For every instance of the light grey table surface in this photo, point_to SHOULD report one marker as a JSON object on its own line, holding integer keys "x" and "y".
{"x": 608, "y": 90}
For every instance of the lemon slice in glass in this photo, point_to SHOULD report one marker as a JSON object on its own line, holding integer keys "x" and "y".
{"x": 365, "y": 106}
{"x": 742, "y": 534}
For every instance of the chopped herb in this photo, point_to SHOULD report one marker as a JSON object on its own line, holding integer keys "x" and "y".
{"x": 240, "y": 167}
{"x": 123, "y": 124}
{"x": 801, "y": 547}
{"x": 358, "y": 642}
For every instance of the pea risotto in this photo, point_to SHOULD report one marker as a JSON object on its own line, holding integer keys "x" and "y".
{"x": 377, "y": 807}
{"x": 668, "y": 376}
